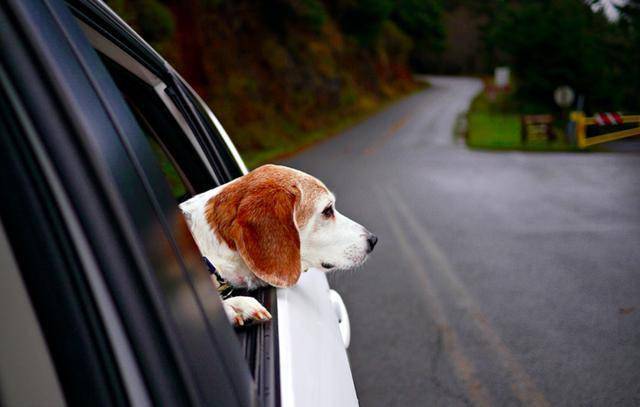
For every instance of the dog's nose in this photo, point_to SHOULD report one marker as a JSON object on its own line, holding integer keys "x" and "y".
{"x": 371, "y": 240}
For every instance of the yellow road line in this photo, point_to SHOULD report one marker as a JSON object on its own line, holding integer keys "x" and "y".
{"x": 463, "y": 367}
{"x": 391, "y": 131}
{"x": 522, "y": 385}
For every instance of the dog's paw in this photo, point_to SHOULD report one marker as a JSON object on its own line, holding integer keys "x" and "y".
{"x": 241, "y": 309}
{"x": 234, "y": 317}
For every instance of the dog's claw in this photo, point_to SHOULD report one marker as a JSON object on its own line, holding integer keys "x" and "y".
{"x": 263, "y": 315}
{"x": 246, "y": 308}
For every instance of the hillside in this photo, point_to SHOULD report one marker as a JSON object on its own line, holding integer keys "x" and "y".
{"x": 280, "y": 74}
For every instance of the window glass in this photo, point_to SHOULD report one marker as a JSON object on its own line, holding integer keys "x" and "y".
{"x": 184, "y": 172}
{"x": 231, "y": 166}
{"x": 178, "y": 188}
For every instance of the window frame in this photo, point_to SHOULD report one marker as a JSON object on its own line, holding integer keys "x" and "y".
{"x": 110, "y": 26}
{"x": 260, "y": 342}
{"x": 120, "y": 57}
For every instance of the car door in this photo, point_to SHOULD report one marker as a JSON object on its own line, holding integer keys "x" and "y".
{"x": 147, "y": 325}
{"x": 189, "y": 146}
{"x": 300, "y": 358}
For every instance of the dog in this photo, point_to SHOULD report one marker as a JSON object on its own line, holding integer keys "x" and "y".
{"x": 266, "y": 228}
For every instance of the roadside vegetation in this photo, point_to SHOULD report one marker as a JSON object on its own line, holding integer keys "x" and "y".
{"x": 567, "y": 42}
{"x": 548, "y": 44}
{"x": 281, "y": 74}
{"x": 495, "y": 123}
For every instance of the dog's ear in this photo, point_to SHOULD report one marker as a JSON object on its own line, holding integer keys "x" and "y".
{"x": 266, "y": 235}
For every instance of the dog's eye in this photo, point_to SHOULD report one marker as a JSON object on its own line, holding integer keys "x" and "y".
{"x": 328, "y": 212}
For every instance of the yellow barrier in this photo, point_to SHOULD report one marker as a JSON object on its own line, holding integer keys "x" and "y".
{"x": 581, "y": 129}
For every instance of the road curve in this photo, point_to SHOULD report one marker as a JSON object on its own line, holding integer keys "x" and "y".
{"x": 499, "y": 278}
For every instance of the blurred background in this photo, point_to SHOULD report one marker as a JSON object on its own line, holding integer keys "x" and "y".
{"x": 489, "y": 144}
{"x": 280, "y": 74}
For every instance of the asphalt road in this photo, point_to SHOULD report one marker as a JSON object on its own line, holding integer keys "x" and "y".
{"x": 499, "y": 278}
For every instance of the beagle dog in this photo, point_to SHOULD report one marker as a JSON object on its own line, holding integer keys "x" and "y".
{"x": 266, "y": 228}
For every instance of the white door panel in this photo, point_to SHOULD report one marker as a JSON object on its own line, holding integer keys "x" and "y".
{"x": 314, "y": 368}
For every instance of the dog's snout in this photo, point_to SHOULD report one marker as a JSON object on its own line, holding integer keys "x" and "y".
{"x": 371, "y": 241}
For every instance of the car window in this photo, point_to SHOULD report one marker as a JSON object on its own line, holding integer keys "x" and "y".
{"x": 227, "y": 152}
{"x": 154, "y": 95}
{"x": 178, "y": 126}
{"x": 167, "y": 139}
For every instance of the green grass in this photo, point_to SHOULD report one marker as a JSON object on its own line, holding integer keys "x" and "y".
{"x": 255, "y": 158}
{"x": 492, "y": 128}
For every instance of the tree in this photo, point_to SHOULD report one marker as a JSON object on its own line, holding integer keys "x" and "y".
{"x": 362, "y": 19}
{"x": 422, "y": 20}
{"x": 550, "y": 43}
{"x": 629, "y": 25}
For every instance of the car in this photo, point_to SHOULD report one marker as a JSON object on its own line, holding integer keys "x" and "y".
{"x": 105, "y": 299}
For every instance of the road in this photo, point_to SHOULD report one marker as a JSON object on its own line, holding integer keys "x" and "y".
{"x": 500, "y": 278}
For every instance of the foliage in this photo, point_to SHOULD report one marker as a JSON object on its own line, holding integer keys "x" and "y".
{"x": 152, "y": 19}
{"x": 279, "y": 73}
{"x": 490, "y": 127}
{"x": 395, "y": 43}
{"x": 549, "y": 43}
{"x": 630, "y": 30}
{"x": 362, "y": 19}
{"x": 311, "y": 12}
{"x": 422, "y": 20}
{"x": 278, "y": 13}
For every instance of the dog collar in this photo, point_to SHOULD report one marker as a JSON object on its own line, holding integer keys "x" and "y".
{"x": 224, "y": 288}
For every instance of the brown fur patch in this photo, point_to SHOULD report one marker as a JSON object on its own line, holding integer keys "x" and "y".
{"x": 255, "y": 215}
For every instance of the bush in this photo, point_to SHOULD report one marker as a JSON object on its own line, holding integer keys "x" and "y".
{"x": 311, "y": 12}
{"x": 395, "y": 42}
{"x": 362, "y": 19}
{"x": 152, "y": 19}
{"x": 422, "y": 20}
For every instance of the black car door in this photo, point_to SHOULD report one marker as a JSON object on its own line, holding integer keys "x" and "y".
{"x": 90, "y": 157}
{"x": 188, "y": 145}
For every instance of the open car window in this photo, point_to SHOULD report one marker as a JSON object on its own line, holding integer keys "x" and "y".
{"x": 170, "y": 137}
{"x": 194, "y": 155}
{"x": 160, "y": 129}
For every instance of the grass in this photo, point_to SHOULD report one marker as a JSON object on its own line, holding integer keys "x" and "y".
{"x": 491, "y": 130}
{"x": 491, "y": 125}
{"x": 255, "y": 158}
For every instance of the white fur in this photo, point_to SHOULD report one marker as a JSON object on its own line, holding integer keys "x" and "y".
{"x": 240, "y": 309}
{"x": 338, "y": 241}
{"x": 334, "y": 241}
{"x": 227, "y": 261}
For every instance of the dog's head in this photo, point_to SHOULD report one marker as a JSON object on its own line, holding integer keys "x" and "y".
{"x": 282, "y": 221}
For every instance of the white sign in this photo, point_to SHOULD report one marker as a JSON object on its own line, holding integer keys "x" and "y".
{"x": 501, "y": 76}
{"x": 564, "y": 96}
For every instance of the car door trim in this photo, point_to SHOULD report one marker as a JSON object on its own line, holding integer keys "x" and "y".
{"x": 132, "y": 378}
{"x": 122, "y": 58}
